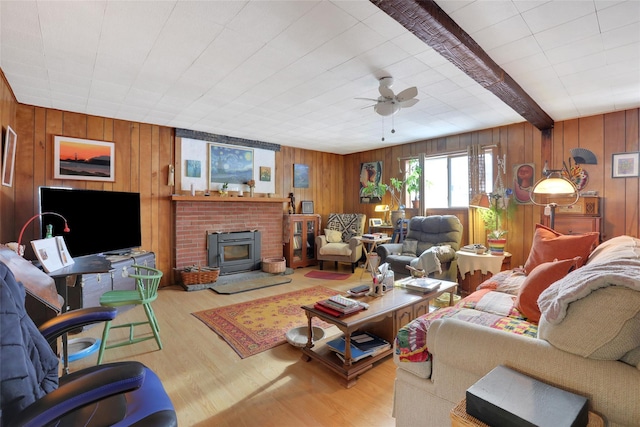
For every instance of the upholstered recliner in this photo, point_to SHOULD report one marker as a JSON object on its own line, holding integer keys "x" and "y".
{"x": 341, "y": 240}
{"x": 430, "y": 245}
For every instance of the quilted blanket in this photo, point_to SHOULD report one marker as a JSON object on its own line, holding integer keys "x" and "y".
{"x": 484, "y": 307}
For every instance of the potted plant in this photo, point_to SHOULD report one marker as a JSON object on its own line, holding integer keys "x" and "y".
{"x": 374, "y": 190}
{"x": 224, "y": 189}
{"x": 413, "y": 184}
{"x": 493, "y": 217}
{"x": 396, "y": 188}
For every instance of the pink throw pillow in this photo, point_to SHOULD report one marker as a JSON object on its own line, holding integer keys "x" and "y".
{"x": 540, "y": 278}
{"x": 548, "y": 245}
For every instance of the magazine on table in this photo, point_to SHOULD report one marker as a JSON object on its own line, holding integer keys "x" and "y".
{"x": 52, "y": 253}
{"x": 362, "y": 345}
{"x": 423, "y": 284}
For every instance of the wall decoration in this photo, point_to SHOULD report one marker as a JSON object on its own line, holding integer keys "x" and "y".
{"x": 229, "y": 164}
{"x": 625, "y": 165}
{"x": 9, "y": 157}
{"x": 523, "y": 181}
{"x": 307, "y": 207}
{"x": 265, "y": 173}
{"x": 194, "y": 168}
{"x": 300, "y": 176}
{"x": 83, "y": 159}
{"x": 370, "y": 172}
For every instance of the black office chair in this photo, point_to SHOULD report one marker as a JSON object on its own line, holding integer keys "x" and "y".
{"x": 31, "y": 393}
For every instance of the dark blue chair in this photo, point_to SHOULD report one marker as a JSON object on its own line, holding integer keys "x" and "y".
{"x": 400, "y": 231}
{"x": 31, "y": 394}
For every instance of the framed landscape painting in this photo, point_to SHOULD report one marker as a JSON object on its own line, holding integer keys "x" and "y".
{"x": 83, "y": 159}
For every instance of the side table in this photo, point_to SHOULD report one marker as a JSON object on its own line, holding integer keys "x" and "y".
{"x": 480, "y": 267}
{"x": 372, "y": 248}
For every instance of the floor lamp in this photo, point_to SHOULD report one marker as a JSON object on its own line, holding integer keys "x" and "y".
{"x": 554, "y": 185}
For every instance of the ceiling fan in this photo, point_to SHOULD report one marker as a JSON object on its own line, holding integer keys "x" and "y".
{"x": 388, "y": 103}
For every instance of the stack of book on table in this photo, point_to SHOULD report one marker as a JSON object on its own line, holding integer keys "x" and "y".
{"x": 363, "y": 345}
{"x": 422, "y": 284}
{"x": 339, "y": 306}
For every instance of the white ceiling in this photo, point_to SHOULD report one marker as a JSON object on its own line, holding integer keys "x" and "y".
{"x": 287, "y": 72}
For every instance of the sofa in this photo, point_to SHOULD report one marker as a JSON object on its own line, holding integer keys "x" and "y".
{"x": 430, "y": 245}
{"x": 570, "y": 345}
{"x": 341, "y": 241}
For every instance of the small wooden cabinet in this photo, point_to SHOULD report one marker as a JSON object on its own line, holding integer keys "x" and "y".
{"x": 575, "y": 224}
{"x": 300, "y": 248}
{"x": 581, "y": 217}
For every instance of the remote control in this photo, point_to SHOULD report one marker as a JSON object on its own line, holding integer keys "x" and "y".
{"x": 359, "y": 289}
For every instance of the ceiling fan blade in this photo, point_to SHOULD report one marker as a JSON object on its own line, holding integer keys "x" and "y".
{"x": 408, "y": 93}
{"x": 409, "y": 102}
{"x": 386, "y": 92}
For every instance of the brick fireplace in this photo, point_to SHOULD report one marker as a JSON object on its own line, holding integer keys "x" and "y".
{"x": 199, "y": 215}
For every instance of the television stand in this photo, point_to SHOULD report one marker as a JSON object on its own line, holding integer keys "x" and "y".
{"x": 88, "y": 288}
{"x": 118, "y": 253}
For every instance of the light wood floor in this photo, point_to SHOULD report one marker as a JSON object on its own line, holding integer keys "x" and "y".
{"x": 210, "y": 385}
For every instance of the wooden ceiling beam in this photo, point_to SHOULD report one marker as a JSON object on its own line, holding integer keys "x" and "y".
{"x": 427, "y": 21}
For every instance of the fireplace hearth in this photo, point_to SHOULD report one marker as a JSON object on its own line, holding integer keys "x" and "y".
{"x": 234, "y": 252}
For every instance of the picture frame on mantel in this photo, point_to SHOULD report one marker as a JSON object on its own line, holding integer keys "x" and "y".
{"x": 625, "y": 165}
{"x": 83, "y": 159}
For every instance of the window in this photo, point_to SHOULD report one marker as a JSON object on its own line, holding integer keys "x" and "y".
{"x": 447, "y": 180}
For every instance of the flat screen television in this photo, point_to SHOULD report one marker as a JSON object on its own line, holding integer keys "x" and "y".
{"x": 100, "y": 222}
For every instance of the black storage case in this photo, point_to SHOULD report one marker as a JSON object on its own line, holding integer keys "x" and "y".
{"x": 505, "y": 397}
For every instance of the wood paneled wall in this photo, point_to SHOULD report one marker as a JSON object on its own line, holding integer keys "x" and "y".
{"x": 603, "y": 134}
{"x": 8, "y": 107}
{"x": 143, "y": 153}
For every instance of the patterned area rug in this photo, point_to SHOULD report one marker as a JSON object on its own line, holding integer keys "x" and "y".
{"x": 255, "y": 326}
{"x": 327, "y": 275}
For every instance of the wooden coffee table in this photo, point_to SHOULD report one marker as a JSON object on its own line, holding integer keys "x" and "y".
{"x": 384, "y": 317}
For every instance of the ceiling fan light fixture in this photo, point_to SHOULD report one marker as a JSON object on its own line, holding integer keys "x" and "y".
{"x": 386, "y": 108}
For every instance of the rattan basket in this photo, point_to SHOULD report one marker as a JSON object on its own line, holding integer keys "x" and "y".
{"x": 274, "y": 265}
{"x": 199, "y": 275}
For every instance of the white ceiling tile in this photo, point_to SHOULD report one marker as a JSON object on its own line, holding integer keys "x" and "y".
{"x": 628, "y": 35}
{"x": 553, "y": 14}
{"x": 482, "y": 14}
{"x": 288, "y": 72}
{"x": 504, "y": 32}
{"x": 579, "y": 29}
{"x": 619, "y": 15}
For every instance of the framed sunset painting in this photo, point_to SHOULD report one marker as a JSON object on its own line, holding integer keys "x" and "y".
{"x": 83, "y": 159}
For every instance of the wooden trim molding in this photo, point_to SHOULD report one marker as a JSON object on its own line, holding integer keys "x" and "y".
{"x": 229, "y": 199}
